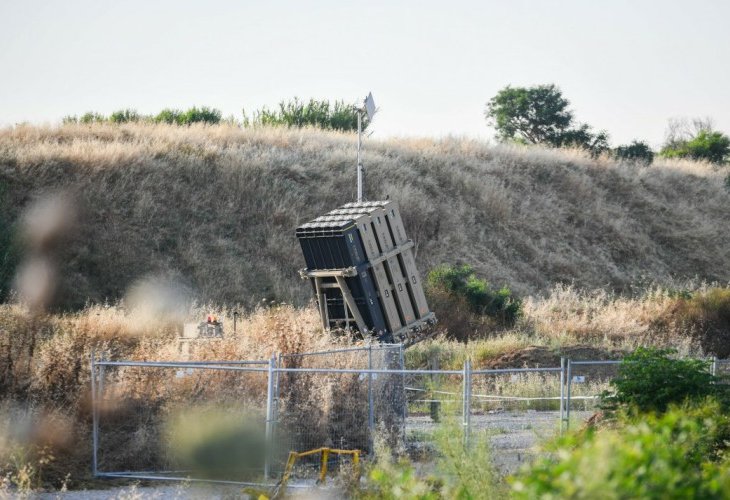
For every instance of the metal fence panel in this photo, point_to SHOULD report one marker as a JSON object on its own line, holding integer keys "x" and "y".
{"x": 248, "y": 415}
{"x": 193, "y": 420}
{"x": 514, "y": 410}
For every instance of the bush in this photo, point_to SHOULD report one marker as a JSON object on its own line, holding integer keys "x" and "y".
{"x": 91, "y": 117}
{"x": 666, "y": 456}
{"x": 192, "y": 115}
{"x": 200, "y": 115}
{"x": 321, "y": 114}
{"x": 124, "y": 116}
{"x": 649, "y": 379}
{"x": 637, "y": 151}
{"x": 707, "y": 145}
{"x": 461, "y": 281}
{"x": 168, "y": 116}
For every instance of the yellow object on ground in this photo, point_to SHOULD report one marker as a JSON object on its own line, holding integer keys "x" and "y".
{"x": 294, "y": 455}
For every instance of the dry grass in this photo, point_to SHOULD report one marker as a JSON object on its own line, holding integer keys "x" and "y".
{"x": 215, "y": 208}
{"x": 211, "y": 210}
{"x": 567, "y": 318}
{"x": 44, "y": 368}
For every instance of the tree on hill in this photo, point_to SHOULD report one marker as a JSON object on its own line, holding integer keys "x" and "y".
{"x": 696, "y": 140}
{"x": 637, "y": 152}
{"x": 540, "y": 115}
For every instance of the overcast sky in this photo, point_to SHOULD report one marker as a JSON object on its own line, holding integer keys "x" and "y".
{"x": 626, "y": 66}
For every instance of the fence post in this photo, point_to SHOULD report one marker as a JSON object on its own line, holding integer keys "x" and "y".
{"x": 562, "y": 392}
{"x": 567, "y": 402}
{"x": 269, "y": 418}
{"x": 467, "y": 402}
{"x": 371, "y": 410}
{"x": 94, "y": 416}
{"x": 714, "y": 366}
{"x": 404, "y": 401}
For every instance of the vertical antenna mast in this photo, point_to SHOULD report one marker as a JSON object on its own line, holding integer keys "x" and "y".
{"x": 359, "y": 162}
{"x": 369, "y": 108}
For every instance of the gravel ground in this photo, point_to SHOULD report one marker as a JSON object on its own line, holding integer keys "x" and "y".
{"x": 514, "y": 436}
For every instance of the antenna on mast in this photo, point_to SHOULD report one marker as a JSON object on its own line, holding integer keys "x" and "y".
{"x": 369, "y": 108}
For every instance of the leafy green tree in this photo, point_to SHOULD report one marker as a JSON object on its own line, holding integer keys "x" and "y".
{"x": 636, "y": 151}
{"x": 540, "y": 115}
{"x": 582, "y": 137}
{"x": 536, "y": 115}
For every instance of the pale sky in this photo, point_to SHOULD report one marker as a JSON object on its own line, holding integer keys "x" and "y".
{"x": 626, "y": 66}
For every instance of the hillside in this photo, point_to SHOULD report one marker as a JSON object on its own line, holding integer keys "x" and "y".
{"x": 215, "y": 209}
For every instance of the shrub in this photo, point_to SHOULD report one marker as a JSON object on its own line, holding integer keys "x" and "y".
{"x": 707, "y": 145}
{"x": 461, "y": 281}
{"x": 320, "y": 114}
{"x": 124, "y": 116}
{"x": 649, "y": 379}
{"x": 168, "y": 116}
{"x": 200, "y": 115}
{"x": 666, "y": 456}
{"x": 91, "y": 117}
{"x": 637, "y": 151}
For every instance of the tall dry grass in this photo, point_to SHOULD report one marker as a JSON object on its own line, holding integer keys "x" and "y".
{"x": 214, "y": 207}
{"x": 44, "y": 368}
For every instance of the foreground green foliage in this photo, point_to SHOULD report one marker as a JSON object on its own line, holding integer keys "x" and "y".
{"x": 650, "y": 380}
{"x": 674, "y": 455}
{"x": 461, "y": 473}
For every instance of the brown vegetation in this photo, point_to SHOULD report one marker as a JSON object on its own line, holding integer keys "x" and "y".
{"x": 214, "y": 207}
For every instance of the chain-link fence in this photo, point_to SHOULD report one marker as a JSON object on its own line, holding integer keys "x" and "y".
{"x": 515, "y": 409}
{"x": 237, "y": 421}
{"x": 316, "y": 405}
{"x": 721, "y": 368}
{"x": 584, "y": 383}
{"x": 167, "y": 420}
